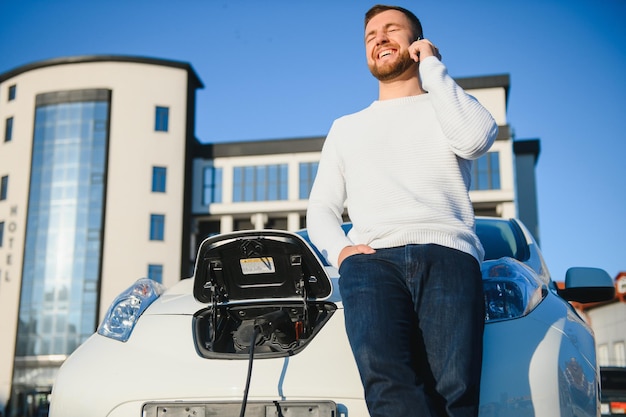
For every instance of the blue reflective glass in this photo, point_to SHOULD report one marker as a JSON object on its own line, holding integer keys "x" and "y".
{"x": 495, "y": 170}
{"x": 308, "y": 171}
{"x": 260, "y": 183}
{"x": 283, "y": 182}
{"x": 249, "y": 183}
{"x": 12, "y": 92}
{"x": 8, "y": 130}
{"x": 486, "y": 172}
{"x": 157, "y": 227}
{"x": 161, "y": 119}
{"x": 212, "y": 186}
{"x": 263, "y": 178}
{"x": 155, "y": 272}
{"x": 4, "y": 187}
{"x": 159, "y": 177}
{"x": 237, "y": 184}
{"x": 217, "y": 185}
{"x": 63, "y": 229}
{"x": 483, "y": 173}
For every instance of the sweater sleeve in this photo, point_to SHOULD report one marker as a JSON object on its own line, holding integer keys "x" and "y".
{"x": 326, "y": 205}
{"x": 469, "y": 127}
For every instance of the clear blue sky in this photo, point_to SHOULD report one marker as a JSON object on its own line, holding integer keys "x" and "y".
{"x": 280, "y": 69}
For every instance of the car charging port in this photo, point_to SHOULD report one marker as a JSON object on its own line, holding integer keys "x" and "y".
{"x": 277, "y": 325}
{"x": 284, "y": 329}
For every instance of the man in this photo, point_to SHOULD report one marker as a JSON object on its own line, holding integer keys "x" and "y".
{"x": 409, "y": 268}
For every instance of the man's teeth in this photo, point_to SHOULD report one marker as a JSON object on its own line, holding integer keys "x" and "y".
{"x": 385, "y": 53}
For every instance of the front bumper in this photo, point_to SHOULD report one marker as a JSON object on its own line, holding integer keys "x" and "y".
{"x": 233, "y": 409}
{"x": 159, "y": 364}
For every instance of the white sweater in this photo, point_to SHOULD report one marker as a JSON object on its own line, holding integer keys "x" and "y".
{"x": 403, "y": 168}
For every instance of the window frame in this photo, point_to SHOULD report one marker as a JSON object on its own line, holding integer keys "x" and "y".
{"x": 254, "y": 183}
{"x": 12, "y": 93}
{"x": 486, "y": 172}
{"x": 159, "y": 179}
{"x": 155, "y": 271}
{"x": 157, "y": 227}
{"x": 305, "y": 182}
{"x": 4, "y": 187}
{"x": 212, "y": 183}
{"x": 8, "y": 129}
{"x": 161, "y": 119}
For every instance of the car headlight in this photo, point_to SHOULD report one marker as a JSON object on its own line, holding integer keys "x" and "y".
{"x": 511, "y": 289}
{"x": 125, "y": 310}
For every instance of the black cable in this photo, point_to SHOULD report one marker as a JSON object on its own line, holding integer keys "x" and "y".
{"x": 279, "y": 409}
{"x": 257, "y": 330}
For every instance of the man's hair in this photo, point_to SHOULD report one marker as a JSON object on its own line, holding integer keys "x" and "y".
{"x": 416, "y": 25}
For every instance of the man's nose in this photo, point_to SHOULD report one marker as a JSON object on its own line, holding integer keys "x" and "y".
{"x": 381, "y": 37}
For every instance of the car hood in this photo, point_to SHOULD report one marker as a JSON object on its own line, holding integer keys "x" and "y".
{"x": 176, "y": 300}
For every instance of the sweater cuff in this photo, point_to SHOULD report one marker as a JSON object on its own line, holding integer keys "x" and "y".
{"x": 431, "y": 69}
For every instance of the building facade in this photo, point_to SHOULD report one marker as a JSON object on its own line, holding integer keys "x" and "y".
{"x": 265, "y": 184}
{"x": 95, "y": 184}
{"x": 102, "y": 181}
{"x": 607, "y": 320}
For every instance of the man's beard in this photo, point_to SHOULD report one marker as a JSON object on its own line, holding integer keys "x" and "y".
{"x": 390, "y": 70}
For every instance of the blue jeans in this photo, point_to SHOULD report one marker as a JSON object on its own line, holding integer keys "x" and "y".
{"x": 414, "y": 318}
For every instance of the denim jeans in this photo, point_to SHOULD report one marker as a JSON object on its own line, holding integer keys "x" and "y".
{"x": 414, "y": 318}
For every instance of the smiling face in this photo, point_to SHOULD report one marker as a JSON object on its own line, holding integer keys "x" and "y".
{"x": 388, "y": 36}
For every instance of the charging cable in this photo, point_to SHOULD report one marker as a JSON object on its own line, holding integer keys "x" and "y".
{"x": 255, "y": 333}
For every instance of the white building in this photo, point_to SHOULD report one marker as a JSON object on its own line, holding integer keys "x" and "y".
{"x": 95, "y": 187}
{"x": 607, "y": 320}
{"x": 256, "y": 184}
{"x": 102, "y": 182}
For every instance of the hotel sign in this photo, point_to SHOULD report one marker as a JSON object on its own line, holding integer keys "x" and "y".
{"x": 10, "y": 229}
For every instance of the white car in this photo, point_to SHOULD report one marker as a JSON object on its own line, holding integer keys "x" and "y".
{"x": 259, "y": 331}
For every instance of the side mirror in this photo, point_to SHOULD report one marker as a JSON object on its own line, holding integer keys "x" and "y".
{"x": 587, "y": 285}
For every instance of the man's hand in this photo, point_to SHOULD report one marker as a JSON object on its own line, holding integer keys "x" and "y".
{"x": 353, "y": 250}
{"x": 423, "y": 48}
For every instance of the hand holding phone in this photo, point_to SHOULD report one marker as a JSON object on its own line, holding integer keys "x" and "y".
{"x": 422, "y": 48}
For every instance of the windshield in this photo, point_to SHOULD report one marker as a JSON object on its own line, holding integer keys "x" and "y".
{"x": 499, "y": 238}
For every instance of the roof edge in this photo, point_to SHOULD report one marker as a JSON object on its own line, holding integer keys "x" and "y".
{"x": 78, "y": 59}
{"x": 486, "y": 81}
{"x": 260, "y": 147}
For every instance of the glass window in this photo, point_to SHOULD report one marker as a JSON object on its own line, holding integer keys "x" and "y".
{"x": 308, "y": 170}
{"x": 157, "y": 226}
{"x": 260, "y": 183}
{"x": 4, "y": 185}
{"x": 155, "y": 272}
{"x": 603, "y": 355}
{"x": 212, "y": 186}
{"x": 486, "y": 172}
{"x": 620, "y": 354}
{"x": 159, "y": 176}
{"x": 12, "y": 91}
{"x": 1, "y": 233}
{"x": 8, "y": 130}
{"x": 161, "y": 119}
{"x": 61, "y": 265}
